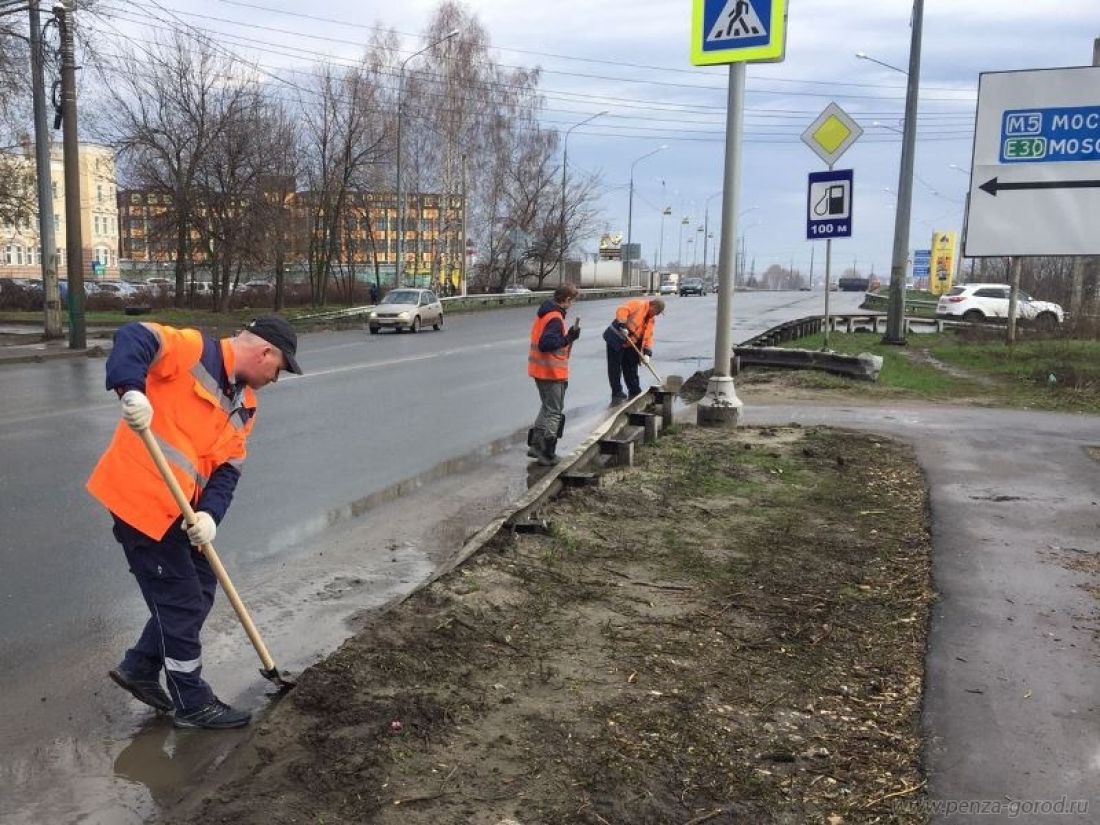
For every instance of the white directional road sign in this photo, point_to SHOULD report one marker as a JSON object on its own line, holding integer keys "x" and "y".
{"x": 1035, "y": 180}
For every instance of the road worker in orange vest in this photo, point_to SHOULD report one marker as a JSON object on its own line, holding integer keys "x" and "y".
{"x": 197, "y": 395}
{"x": 630, "y": 343}
{"x": 548, "y": 364}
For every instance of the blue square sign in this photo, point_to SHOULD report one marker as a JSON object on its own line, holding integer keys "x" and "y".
{"x": 829, "y": 205}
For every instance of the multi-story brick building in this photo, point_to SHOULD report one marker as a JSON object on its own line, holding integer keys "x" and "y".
{"x": 20, "y": 247}
{"x": 433, "y": 225}
{"x": 433, "y": 234}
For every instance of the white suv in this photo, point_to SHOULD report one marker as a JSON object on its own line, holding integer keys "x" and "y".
{"x": 983, "y": 302}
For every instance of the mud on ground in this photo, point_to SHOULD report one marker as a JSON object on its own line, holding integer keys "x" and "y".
{"x": 731, "y": 632}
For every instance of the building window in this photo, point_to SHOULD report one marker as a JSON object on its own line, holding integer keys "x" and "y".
{"x": 99, "y": 192}
{"x": 9, "y": 255}
{"x": 19, "y": 256}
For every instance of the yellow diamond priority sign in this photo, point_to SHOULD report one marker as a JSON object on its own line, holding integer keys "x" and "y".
{"x": 832, "y": 133}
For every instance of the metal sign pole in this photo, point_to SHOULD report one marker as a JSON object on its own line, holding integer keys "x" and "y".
{"x": 828, "y": 278}
{"x": 720, "y": 405}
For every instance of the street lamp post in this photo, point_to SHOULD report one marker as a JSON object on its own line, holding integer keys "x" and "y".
{"x": 680, "y": 251}
{"x": 399, "y": 266}
{"x": 699, "y": 230}
{"x": 865, "y": 56}
{"x": 706, "y": 228}
{"x": 661, "y": 242}
{"x": 628, "y": 264}
{"x": 966, "y": 209}
{"x": 564, "y": 164}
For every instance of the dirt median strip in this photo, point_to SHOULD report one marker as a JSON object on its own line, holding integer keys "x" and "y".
{"x": 731, "y": 631}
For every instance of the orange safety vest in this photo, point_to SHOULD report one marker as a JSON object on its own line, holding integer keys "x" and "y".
{"x": 640, "y": 324}
{"x": 548, "y": 366}
{"x": 195, "y": 424}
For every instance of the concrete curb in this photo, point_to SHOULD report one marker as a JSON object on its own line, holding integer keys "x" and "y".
{"x": 863, "y": 366}
{"x": 27, "y": 355}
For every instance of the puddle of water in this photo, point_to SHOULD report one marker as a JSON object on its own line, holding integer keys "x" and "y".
{"x": 121, "y": 764}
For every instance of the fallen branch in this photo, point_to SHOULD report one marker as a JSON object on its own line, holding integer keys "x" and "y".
{"x": 902, "y": 792}
{"x": 706, "y": 817}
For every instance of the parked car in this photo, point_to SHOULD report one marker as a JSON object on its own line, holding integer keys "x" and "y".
{"x": 983, "y": 302}
{"x": 516, "y": 289}
{"x": 159, "y": 286}
{"x": 667, "y": 288}
{"x": 692, "y": 286}
{"x": 21, "y": 293}
{"x": 407, "y": 309}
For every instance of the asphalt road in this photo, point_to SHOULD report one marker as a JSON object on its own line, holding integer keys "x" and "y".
{"x": 370, "y": 412}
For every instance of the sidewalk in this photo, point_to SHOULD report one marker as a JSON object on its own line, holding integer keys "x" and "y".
{"x": 21, "y": 344}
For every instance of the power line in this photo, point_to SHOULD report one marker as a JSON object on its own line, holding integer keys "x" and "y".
{"x": 597, "y": 130}
{"x": 597, "y": 61}
{"x": 315, "y": 54}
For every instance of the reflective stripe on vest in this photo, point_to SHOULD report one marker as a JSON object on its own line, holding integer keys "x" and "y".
{"x": 547, "y": 366}
{"x": 198, "y": 428}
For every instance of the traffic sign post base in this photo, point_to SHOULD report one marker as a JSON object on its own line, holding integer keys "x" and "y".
{"x": 720, "y": 407}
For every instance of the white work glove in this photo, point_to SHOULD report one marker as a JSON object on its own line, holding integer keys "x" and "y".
{"x": 203, "y": 530}
{"x": 624, "y": 333}
{"x": 137, "y": 412}
{"x": 645, "y": 359}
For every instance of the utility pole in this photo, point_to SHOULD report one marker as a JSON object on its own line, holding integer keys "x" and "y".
{"x": 462, "y": 245}
{"x": 45, "y": 182}
{"x": 74, "y": 243}
{"x": 895, "y": 315}
{"x": 1013, "y": 297}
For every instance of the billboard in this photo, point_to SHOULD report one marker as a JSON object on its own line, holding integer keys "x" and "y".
{"x": 942, "y": 276}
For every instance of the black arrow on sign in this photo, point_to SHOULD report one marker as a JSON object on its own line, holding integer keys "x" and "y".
{"x": 993, "y": 186}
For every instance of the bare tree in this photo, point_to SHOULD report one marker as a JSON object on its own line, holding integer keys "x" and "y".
{"x": 16, "y": 173}
{"x": 343, "y": 135}
{"x": 232, "y": 180}
{"x": 165, "y": 113}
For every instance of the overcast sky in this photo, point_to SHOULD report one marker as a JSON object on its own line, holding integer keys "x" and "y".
{"x": 632, "y": 59}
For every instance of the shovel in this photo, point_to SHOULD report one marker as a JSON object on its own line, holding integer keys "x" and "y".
{"x": 268, "y": 671}
{"x": 674, "y": 381}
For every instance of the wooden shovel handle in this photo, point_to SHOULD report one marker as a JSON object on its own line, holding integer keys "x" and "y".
{"x": 208, "y": 550}
{"x": 641, "y": 357}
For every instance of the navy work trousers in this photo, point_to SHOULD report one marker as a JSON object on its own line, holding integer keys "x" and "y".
{"x": 623, "y": 361}
{"x": 178, "y": 586}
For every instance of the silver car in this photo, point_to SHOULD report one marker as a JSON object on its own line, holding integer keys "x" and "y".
{"x": 406, "y": 309}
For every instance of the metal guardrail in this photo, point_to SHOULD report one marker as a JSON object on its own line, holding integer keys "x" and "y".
{"x": 875, "y": 300}
{"x": 848, "y": 322}
{"x": 458, "y": 303}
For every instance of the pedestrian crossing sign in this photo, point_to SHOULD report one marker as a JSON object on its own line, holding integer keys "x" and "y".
{"x": 738, "y": 31}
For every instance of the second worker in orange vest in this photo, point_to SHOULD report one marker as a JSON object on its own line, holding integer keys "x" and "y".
{"x": 630, "y": 341}
{"x": 548, "y": 364}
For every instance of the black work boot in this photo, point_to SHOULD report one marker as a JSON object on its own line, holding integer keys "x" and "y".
{"x": 547, "y": 457}
{"x": 143, "y": 688}
{"x": 214, "y": 715}
{"x": 534, "y": 437}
